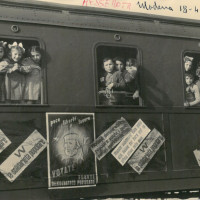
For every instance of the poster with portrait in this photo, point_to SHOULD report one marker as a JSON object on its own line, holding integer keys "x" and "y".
{"x": 71, "y": 162}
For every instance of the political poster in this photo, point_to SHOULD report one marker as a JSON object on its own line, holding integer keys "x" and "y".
{"x": 71, "y": 163}
{"x": 4, "y": 141}
{"x": 146, "y": 151}
{"x": 130, "y": 142}
{"x": 110, "y": 138}
{"x": 23, "y": 156}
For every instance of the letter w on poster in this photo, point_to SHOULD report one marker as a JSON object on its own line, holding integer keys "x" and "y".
{"x": 110, "y": 138}
{"x": 21, "y": 158}
{"x": 131, "y": 141}
{"x": 146, "y": 151}
{"x": 4, "y": 141}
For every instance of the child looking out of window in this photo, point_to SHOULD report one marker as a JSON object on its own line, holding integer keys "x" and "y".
{"x": 107, "y": 80}
{"x": 188, "y": 63}
{"x": 31, "y": 68}
{"x": 14, "y": 79}
{"x": 192, "y": 91}
{"x": 131, "y": 77}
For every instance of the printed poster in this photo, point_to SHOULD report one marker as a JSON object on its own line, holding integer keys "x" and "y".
{"x": 110, "y": 138}
{"x": 146, "y": 151}
{"x": 23, "y": 156}
{"x": 71, "y": 163}
{"x": 4, "y": 141}
{"x": 131, "y": 142}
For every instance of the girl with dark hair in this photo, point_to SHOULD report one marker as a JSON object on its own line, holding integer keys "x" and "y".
{"x": 31, "y": 68}
{"x": 192, "y": 91}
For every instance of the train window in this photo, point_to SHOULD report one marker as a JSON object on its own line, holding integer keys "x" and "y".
{"x": 21, "y": 69}
{"x": 117, "y": 75}
{"x": 191, "y": 65}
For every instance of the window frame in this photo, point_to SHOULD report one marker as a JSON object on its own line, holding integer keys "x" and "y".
{"x": 183, "y": 77}
{"x": 41, "y": 44}
{"x": 96, "y": 72}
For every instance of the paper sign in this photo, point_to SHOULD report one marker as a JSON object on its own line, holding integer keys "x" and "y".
{"x": 130, "y": 143}
{"x": 110, "y": 138}
{"x": 21, "y": 158}
{"x": 146, "y": 151}
{"x": 71, "y": 163}
{"x": 4, "y": 141}
{"x": 197, "y": 155}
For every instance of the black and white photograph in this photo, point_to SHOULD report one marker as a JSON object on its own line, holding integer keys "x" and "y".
{"x": 99, "y": 99}
{"x": 71, "y": 163}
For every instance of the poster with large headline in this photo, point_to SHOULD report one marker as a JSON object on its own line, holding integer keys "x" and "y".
{"x": 71, "y": 163}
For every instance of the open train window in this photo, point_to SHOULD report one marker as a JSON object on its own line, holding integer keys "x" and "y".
{"x": 21, "y": 72}
{"x": 117, "y": 75}
{"x": 191, "y": 63}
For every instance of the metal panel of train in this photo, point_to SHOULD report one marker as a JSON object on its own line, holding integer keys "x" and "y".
{"x": 77, "y": 80}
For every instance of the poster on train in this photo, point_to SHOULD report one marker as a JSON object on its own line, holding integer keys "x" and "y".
{"x": 4, "y": 141}
{"x": 71, "y": 163}
{"x": 23, "y": 156}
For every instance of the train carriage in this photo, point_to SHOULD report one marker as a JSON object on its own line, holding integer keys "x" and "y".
{"x": 73, "y": 43}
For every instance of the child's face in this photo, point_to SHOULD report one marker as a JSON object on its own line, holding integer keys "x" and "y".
{"x": 119, "y": 65}
{"x": 188, "y": 80}
{"x": 131, "y": 68}
{"x": 108, "y": 66}
{"x": 36, "y": 56}
{"x": 16, "y": 55}
{"x": 188, "y": 65}
{"x": 1, "y": 52}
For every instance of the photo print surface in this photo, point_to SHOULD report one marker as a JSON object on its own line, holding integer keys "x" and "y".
{"x": 118, "y": 76}
{"x": 71, "y": 162}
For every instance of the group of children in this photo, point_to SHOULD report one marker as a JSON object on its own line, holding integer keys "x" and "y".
{"x": 120, "y": 75}
{"x": 20, "y": 78}
{"x": 192, "y": 80}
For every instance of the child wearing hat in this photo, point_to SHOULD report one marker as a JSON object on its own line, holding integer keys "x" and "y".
{"x": 188, "y": 63}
